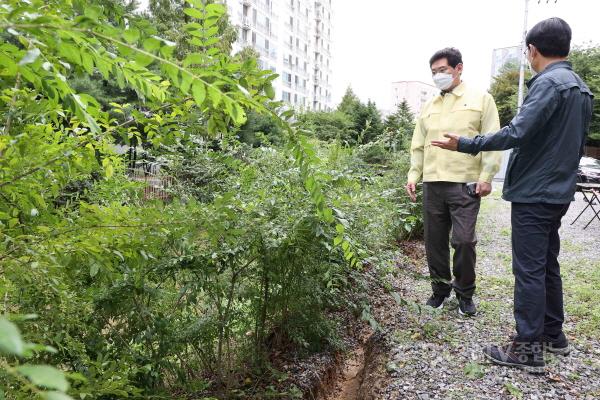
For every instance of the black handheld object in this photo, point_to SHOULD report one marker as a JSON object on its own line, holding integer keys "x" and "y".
{"x": 472, "y": 189}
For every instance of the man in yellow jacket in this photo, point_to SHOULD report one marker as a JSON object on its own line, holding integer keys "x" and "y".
{"x": 450, "y": 204}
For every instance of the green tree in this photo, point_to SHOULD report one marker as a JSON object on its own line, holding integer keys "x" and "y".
{"x": 400, "y": 125}
{"x": 260, "y": 129}
{"x": 586, "y": 62}
{"x": 368, "y": 122}
{"x": 366, "y": 118}
{"x": 350, "y": 102}
{"x": 330, "y": 125}
{"x": 505, "y": 89}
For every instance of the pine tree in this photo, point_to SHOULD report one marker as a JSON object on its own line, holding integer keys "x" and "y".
{"x": 350, "y": 102}
{"x": 400, "y": 125}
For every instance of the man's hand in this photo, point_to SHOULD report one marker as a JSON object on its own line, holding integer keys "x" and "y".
{"x": 483, "y": 188}
{"x": 449, "y": 144}
{"x": 411, "y": 189}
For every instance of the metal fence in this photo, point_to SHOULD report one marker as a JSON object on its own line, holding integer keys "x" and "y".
{"x": 157, "y": 184}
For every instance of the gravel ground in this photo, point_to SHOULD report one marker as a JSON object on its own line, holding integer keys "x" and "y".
{"x": 437, "y": 355}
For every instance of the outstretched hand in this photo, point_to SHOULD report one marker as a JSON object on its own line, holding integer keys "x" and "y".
{"x": 449, "y": 144}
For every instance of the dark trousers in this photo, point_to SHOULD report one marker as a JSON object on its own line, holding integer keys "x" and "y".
{"x": 538, "y": 286}
{"x": 448, "y": 207}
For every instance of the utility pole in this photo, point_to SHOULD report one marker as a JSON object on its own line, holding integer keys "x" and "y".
{"x": 523, "y": 57}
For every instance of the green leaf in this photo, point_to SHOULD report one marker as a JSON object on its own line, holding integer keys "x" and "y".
{"x": 10, "y": 338}
{"x": 269, "y": 91}
{"x": 193, "y": 58}
{"x": 339, "y": 228}
{"x": 55, "y": 396}
{"x": 337, "y": 240}
{"x": 215, "y": 96}
{"x": 239, "y": 115}
{"x": 88, "y": 62}
{"x": 70, "y": 52}
{"x": 94, "y": 268}
{"x": 151, "y": 44}
{"x": 194, "y": 13}
{"x": 186, "y": 82}
{"x": 215, "y": 9}
{"x": 44, "y": 376}
{"x": 143, "y": 60}
{"x": 131, "y": 35}
{"x": 345, "y": 245}
{"x": 199, "y": 93}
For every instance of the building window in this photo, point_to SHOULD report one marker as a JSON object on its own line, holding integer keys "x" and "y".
{"x": 285, "y": 96}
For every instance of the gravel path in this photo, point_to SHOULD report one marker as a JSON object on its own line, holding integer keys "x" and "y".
{"x": 437, "y": 355}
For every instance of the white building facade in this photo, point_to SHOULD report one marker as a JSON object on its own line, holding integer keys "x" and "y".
{"x": 415, "y": 93}
{"x": 293, "y": 38}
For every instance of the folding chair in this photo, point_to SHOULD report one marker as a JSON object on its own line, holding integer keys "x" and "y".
{"x": 591, "y": 194}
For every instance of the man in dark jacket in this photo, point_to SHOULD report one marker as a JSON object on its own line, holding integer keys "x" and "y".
{"x": 547, "y": 138}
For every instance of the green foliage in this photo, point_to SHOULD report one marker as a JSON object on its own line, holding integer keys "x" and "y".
{"x": 586, "y": 62}
{"x": 172, "y": 21}
{"x": 366, "y": 118}
{"x": 399, "y": 126}
{"x": 474, "y": 370}
{"x": 334, "y": 125}
{"x": 260, "y": 129}
{"x": 40, "y": 381}
{"x": 505, "y": 89}
{"x": 252, "y": 248}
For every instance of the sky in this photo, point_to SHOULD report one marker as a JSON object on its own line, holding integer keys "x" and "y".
{"x": 377, "y": 42}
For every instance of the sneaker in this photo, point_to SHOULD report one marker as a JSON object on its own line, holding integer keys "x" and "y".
{"x": 436, "y": 301}
{"x": 466, "y": 306}
{"x": 556, "y": 345}
{"x": 527, "y": 356}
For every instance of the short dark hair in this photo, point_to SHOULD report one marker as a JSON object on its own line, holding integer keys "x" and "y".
{"x": 552, "y": 37}
{"x": 449, "y": 53}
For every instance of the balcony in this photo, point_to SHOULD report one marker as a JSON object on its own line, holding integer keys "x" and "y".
{"x": 246, "y": 24}
{"x": 258, "y": 4}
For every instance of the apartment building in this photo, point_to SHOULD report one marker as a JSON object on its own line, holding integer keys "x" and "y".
{"x": 415, "y": 93}
{"x": 293, "y": 38}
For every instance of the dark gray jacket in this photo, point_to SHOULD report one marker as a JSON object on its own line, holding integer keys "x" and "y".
{"x": 547, "y": 138}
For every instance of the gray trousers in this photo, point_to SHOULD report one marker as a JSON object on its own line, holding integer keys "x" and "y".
{"x": 447, "y": 207}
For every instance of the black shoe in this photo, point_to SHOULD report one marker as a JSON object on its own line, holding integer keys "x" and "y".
{"x": 524, "y": 355}
{"x": 436, "y": 301}
{"x": 466, "y": 306}
{"x": 556, "y": 344}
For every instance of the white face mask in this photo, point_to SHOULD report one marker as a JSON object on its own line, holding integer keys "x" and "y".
{"x": 443, "y": 80}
